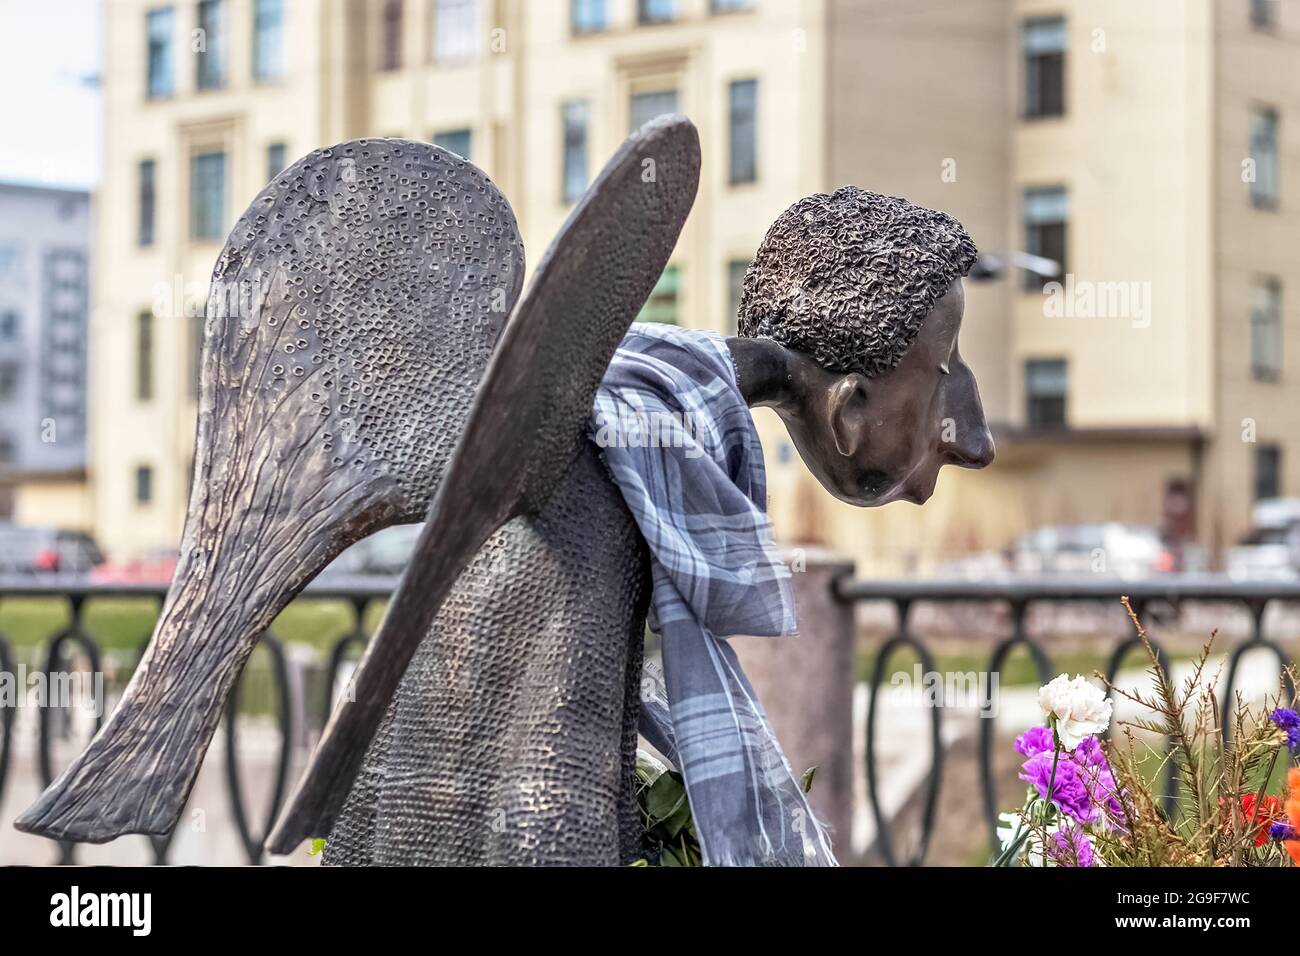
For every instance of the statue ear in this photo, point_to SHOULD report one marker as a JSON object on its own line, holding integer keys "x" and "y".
{"x": 847, "y": 408}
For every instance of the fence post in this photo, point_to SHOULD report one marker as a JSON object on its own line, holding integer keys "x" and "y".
{"x": 806, "y": 686}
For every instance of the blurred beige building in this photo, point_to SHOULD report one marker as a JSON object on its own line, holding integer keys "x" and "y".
{"x": 1140, "y": 144}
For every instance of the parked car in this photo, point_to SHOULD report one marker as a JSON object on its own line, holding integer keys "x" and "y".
{"x": 156, "y": 567}
{"x": 1119, "y": 550}
{"x": 1271, "y": 550}
{"x": 30, "y": 552}
{"x": 384, "y": 552}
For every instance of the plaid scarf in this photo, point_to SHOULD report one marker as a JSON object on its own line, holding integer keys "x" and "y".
{"x": 678, "y": 439}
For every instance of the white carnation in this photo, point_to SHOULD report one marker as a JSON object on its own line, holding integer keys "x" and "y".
{"x": 1081, "y": 710}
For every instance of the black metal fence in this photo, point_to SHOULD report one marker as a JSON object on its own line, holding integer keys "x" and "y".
{"x": 58, "y": 651}
{"x": 904, "y": 596}
{"x": 1172, "y": 592}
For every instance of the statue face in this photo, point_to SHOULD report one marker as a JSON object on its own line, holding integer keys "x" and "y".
{"x": 873, "y": 441}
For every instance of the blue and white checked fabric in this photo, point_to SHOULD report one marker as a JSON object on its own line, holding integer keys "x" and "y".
{"x": 678, "y": 439}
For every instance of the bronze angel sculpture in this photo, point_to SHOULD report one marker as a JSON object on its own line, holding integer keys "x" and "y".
{"x": 369, "y": 360}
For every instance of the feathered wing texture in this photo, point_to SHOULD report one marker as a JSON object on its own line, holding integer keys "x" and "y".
{"x": 527, "y": 426}
{"x": 352, "y": 313}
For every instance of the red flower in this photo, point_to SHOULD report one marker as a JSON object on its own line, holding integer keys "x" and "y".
{"x": 1268, "y": 813}
{"x": 1293, "y": 813}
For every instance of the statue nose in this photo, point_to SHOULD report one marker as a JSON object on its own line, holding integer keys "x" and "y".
{"x": 973, "y": 448}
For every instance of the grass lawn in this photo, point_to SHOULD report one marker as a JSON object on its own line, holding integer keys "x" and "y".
{"x": 123, "y": 624}
{"x": 1018, "y": 670}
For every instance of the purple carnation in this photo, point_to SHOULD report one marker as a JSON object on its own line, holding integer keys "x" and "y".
{"x": 1283, "y": 831}
{"x": 1084, "y": 790}
{"x": 1070, "y": 846}
{"x": 1036, "y": 740}
{"x": 1288, "y": 720}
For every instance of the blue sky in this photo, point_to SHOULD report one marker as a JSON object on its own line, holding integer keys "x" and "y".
{"x": 50, "y": 130}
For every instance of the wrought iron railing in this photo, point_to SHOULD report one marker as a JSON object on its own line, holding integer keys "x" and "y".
{"x": 357, "y": 593}
{"x": 1018, "y": 596}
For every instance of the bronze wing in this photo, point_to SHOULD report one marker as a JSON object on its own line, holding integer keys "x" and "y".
{"x": 527, "y": 425}
{"x": 351, "y": 315}
{"x": 382, "y": 446}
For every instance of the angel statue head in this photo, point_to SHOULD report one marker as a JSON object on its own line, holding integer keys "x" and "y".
{"x": 848, "y": 321}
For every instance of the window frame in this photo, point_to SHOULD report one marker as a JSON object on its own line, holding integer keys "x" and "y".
{"x": 575, "y": 21}
{"x": 1040, "y": 422}
{"x": 1266, "y": 191}
{"x": 1267, "y": 315}
{"x": 215, "y": 39}
{"x": 1033, "y": 232}
{"x": 1262, "y": 451}
{"x": 744, "y": 176}
{"x": 1032, "y": 65}
{"x": 645, "y": 16}
{"x": 390, "y": 43}
{"x": 569, "y": 192}
{"x": 446, "y": 52}
{"x": 146, "y": 202}
{"x": 166, "y": 48}
{"x": 197, "y": 218}
{"x": 145, "y": 352}
{"x": 260, "y": 73}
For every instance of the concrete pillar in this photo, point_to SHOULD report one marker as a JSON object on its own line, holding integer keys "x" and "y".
{"x": 806, "y": 686}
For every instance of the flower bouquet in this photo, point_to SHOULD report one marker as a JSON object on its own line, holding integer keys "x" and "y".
{"x": 1091, "y": 803}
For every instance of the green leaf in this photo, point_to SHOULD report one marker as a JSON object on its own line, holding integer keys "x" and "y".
{"x": 665, "y": 798}
{"x": 317, "y": 847}
{"x": 808, "y": 778}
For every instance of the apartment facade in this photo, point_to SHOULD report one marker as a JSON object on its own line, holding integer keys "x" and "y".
{"x": 1144, "y": 148}
{"x": 1141, "y": 150}
{"x": 44, "y": 304}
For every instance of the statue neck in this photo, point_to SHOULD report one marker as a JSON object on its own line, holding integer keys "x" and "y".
{"x": 764, "y": 371}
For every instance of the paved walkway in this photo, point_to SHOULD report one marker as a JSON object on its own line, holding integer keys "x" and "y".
{"x": 206, "y": 834}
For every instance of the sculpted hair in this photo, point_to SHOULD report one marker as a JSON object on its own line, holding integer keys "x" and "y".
{"x": 848, "y": 277}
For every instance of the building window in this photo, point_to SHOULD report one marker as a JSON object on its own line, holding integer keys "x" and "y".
{"x": 1046, "y": 217}
{"x": 160, "y": 25}
{"x": 390, "y": 54}
{"x": 1263, "y": 155}
{"x": 8, "y": 325}
{"x": 148, "y": 201}
{"x": 143, "y": 485}
{"x": 210, "y": 43}
{"x": 1266, "y": 330}
{"x": 1263, "y": 14}
{"x": 744, "y": 131}
{"x": 455, "y": 30}
{"x": 10, "y": 261}
{"x": 588, "y": 16}
{"x": 736, "y": 270}
{"x": 655, "y": 11}
{"x": 458, "y": 141}
{"x": 144, "y": 356}
{"x": 662, "y": 306}
{"x": 643, "y": 107}
{"x": 576, "y": 114}
{"x": 8, "y": 381}
{"x": 274, "y": 160}
{"x": 208, "y": 195}
{"x": 1044, "y": 43}
{"x": 1268, "y": 472}
{"x": 1045, "y": 388}
{"x": 730, "y": 6}
{"x": 268, "y": 39}
{"x": 8, "y": 450}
